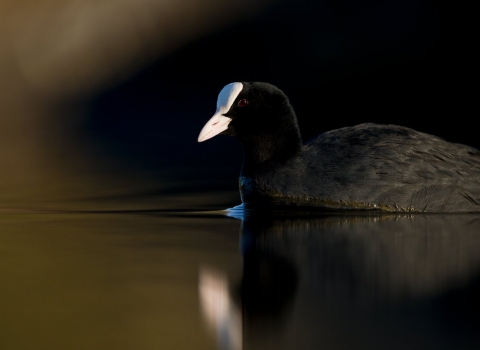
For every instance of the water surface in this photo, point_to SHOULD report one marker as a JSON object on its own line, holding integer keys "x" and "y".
{"x": 239, "y": 280}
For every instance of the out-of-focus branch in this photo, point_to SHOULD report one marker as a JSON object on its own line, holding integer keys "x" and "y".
{"x": 69, "y": 47}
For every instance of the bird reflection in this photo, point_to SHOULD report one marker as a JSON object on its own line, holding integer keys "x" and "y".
{"x": 221, "y": 314}
{"x": 375, "y": 257}
{"x": 360, "y": 269}
{"x": 267, "y": 287}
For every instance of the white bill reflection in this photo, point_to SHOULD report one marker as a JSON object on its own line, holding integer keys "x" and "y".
{"x": 221, "y": 314}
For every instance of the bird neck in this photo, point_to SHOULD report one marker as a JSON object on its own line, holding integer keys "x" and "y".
{"x": 265, "y": 150}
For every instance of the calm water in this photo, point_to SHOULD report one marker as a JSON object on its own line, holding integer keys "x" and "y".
{"x": 239, "y": 280}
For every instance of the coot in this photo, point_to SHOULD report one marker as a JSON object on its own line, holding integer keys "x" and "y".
{"x": 367, "y": 166}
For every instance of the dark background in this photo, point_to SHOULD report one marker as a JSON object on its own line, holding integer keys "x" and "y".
{"x": 341, "y": 62}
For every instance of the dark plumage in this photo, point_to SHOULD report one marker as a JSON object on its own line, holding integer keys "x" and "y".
{"x": 367, "y": 166}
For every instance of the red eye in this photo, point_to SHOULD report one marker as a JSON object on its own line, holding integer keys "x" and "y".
{"x": 242, "y": 103}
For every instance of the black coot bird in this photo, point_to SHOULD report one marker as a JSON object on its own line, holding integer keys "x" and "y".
{"x": 367, "y": 166}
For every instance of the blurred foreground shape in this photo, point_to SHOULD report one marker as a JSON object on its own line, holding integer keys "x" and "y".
{"x": 54, "y": 53}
